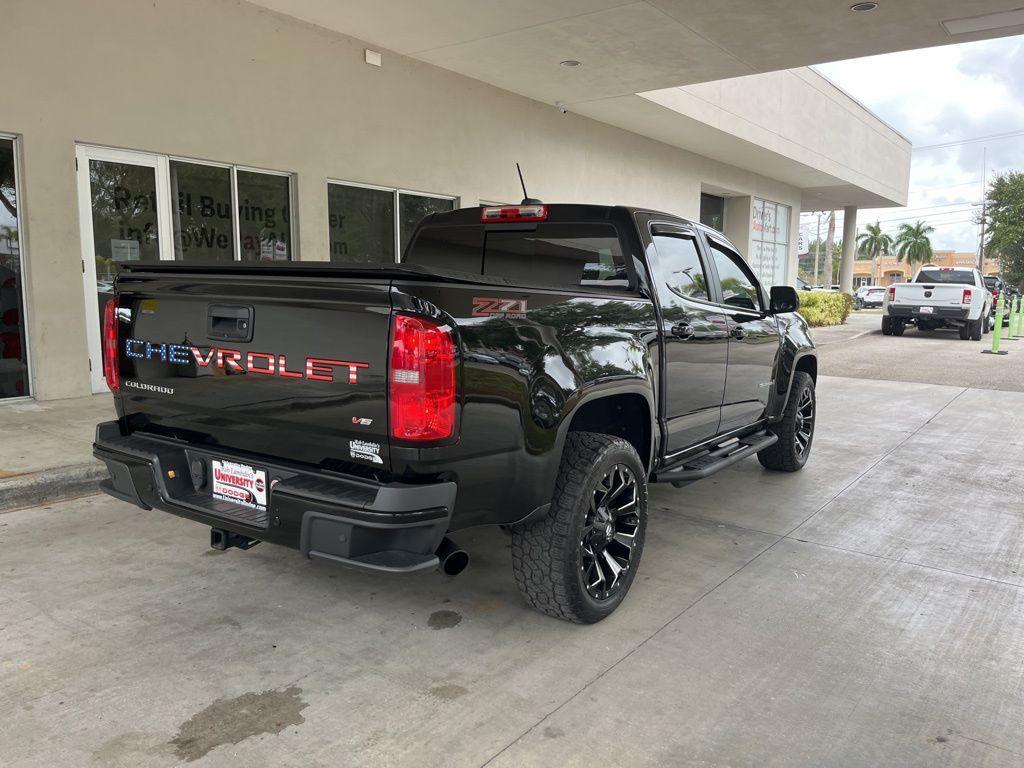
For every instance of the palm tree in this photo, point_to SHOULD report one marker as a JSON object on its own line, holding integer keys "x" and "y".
{"x": 912, "y": 243}
{"x": 874, "y": 243}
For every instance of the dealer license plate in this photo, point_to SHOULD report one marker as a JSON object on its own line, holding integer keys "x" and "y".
{"x": 927, "y": 310}
{"x": 240, "y": 483}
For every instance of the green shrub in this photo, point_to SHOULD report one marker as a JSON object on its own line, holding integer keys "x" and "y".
{"x": 825, "y": 307}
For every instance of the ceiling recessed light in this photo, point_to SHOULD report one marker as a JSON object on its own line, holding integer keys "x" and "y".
{"x": 863, "y": 6}
{"x": 570, "y": 63}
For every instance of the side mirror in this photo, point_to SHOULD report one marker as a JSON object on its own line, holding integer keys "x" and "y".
{"x": 784, "y": 299}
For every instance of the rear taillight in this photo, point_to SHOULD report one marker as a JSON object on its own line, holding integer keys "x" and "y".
{"x": 967, "y": 296}
{"x": 421, "y": 387}
{"x": 892, "y": 293}
{"x": 111, "y": 370}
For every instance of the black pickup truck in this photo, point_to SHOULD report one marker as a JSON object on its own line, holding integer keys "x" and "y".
{"x": 530, "y": 366}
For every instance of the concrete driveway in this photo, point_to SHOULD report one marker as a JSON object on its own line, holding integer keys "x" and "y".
{"x": 867, "y": 611}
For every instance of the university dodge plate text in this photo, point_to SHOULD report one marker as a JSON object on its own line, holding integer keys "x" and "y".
{"x": 240, "y": 483}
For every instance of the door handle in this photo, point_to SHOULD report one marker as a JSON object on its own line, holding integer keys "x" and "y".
{"x": 226, "y": 322}
{"x": 682, "y": 331}
{"x": 738, "y": 332}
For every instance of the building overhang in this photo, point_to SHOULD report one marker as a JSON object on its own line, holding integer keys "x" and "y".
{"x": 639, "y": 63}
{"x": 793, "y": 126}
{"x": 633, "y": 47}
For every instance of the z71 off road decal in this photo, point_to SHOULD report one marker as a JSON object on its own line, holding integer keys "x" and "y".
{"x": 488, "y": 306}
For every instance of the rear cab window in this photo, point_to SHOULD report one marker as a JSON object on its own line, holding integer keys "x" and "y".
{"x": 962, "y": 276}
{"x": 563, "y": 254}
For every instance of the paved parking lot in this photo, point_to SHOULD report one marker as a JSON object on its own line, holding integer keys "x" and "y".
{"x": 937, "y": 357}
{"x": 867, "y": 611}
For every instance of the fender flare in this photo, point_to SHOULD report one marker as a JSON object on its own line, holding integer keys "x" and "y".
{"x": 589, "y": 393}
{"x": 784, "y": 393}
{"x": 610, "y": 388}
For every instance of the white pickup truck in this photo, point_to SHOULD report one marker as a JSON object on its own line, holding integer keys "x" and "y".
{"x": 939, "y": 297}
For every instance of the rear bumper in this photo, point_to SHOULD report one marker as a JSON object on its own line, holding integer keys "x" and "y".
{"x": 382, "y": 527}
{"x": 940, "y": 313}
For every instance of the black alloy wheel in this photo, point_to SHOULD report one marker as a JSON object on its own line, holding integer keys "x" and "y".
{"x": 579, "y": 561}
{"x": 795, "y": 429}
{"x": 609, "y": 532}
{"x": 804, "y": 431}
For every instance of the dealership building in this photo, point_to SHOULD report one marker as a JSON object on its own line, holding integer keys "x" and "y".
{"x": 192, "y": 130}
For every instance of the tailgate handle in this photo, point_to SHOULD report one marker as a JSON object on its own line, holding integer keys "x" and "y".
{"x": 229, "y": 322}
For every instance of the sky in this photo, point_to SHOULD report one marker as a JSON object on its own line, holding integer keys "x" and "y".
{"x": 937, "y": 96}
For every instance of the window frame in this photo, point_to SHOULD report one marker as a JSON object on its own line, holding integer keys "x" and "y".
{"x": 718, "y": 239}
{"x": 669, "y": 229}
{"x": 236, "y": 229}
{"x": 23, "y": 249}
{"x": 395, "y": 202}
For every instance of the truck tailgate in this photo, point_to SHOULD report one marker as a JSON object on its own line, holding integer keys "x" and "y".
{"x": 277, "y": 365}
{"x": 931, "y": 295}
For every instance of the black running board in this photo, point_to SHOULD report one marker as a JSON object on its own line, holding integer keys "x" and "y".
{"x": 706, "y": 464}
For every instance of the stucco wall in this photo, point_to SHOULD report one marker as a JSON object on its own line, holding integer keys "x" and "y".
{"x": 804, "y": 117}
{"x": 226, "y": 81}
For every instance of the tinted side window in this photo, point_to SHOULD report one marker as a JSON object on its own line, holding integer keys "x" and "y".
{"x": 739, "y": 288}
{"x": 681, "y": 268}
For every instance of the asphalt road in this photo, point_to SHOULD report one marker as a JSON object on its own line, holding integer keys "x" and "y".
{"x": 859, "y": 350}
{"x": 865, "y": 611}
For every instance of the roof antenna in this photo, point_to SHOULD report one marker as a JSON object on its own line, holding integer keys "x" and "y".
{"x": 527, "y": 200}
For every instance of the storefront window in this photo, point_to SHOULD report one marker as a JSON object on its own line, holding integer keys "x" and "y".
{"x": 201, "y": 205}
{"x": 264, "y": 228}
{"x": 769, "y": 241}
{"x": 125, "y": 220}
{"x": 363, "y": 221}
{"x": 712, "y": 211}
{"x": 13, "y": 348}
{"x": 412, "y": 208}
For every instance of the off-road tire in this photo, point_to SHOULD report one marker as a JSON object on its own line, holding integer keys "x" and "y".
{"x": 898, "y": 327}
{"x": 886, "y": 325}
{"x": 546, "y": 556}
{"x": 964, "y": 331}
{"x": 976, "y": 332}
{"x": 785, "y": 455}
{"x": 986, "y": 324}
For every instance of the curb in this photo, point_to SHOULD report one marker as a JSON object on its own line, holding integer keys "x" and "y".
{"x": 50, "y": 485}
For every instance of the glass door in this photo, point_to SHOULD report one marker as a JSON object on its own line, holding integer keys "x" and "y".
{"x": 14, "y": 378}
{"x": 124, "y": 216}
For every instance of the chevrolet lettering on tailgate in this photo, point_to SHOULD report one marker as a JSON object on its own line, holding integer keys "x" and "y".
{"x": 315, "y": 368}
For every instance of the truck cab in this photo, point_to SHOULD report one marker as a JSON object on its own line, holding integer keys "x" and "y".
{"x": 531, "y": 366}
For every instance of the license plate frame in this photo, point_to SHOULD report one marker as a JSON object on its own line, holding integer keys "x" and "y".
{"x": 239, "y": 483}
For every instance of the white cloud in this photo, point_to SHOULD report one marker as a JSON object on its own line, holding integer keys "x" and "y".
{"x": 939, "y": 95}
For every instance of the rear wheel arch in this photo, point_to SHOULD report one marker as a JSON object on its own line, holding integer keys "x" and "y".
{"x": 628, "y": 415}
